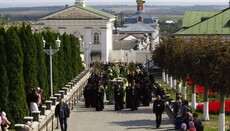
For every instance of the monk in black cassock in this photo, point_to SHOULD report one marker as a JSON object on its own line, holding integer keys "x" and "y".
{"x": 100, "y": 98}
{"x": 87, "y": 93}
{"x": 133, "y": 97}
{"x": 146, "y": 92}
{"x": 118, "y": 98}
{"x": 128, "y": 96}
{"x": 94, "y": 93}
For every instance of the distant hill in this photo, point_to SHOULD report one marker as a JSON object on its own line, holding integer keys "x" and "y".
{"x": 34, "y": 13}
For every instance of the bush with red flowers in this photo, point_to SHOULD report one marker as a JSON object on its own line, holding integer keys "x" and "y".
{"x": 214, "y": 107}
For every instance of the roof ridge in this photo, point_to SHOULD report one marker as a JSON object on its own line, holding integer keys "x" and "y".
{"x": 205, "y": 20}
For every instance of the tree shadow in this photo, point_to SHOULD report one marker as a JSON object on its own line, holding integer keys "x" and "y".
{"x": 142, "y": 124}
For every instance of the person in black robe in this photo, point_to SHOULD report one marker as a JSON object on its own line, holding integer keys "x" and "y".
{"x": 133, "y": 97}
{"x": 128, "y": 96}
{"x": 87, "y": 95}
{"x": 94, "y": 94}
{"x": 118, "y": 98}
{"x": 99, "y": 98}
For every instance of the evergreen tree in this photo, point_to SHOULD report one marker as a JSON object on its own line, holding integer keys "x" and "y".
{"x": 76, "y": 59}
{"x": 62, "y": 79}
{"x": 42, "y": 75}
{"x": 4, "y": 91}
{"x": 67, "y": 56}
{"x": 17, "y": 98}
{"x": 30, "y": 57}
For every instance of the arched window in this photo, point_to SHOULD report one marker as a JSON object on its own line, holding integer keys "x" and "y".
{"x": 96, "y": 38}
{"x": 139, "y": 19}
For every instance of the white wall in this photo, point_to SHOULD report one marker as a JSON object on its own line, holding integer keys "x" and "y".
{"x": 128, "y": 56}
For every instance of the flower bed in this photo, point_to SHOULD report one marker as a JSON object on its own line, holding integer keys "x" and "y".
{"x": 214, "y": 107}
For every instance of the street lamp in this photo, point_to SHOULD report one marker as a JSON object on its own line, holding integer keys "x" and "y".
{"x": 51, "y": 52}
{"x": 87, "y": 48}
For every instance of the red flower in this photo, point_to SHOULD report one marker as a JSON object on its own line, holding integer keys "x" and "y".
{"x": 214, "y": 107}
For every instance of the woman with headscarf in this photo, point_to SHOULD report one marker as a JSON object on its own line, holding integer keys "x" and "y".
{"x": 5, "y": 122}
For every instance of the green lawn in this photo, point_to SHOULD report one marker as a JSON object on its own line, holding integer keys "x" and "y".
{"x": 212, "y": 124}
{"x": 169, "y": 17}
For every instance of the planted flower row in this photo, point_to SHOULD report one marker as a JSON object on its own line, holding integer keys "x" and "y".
{"x": 214, "y": 107}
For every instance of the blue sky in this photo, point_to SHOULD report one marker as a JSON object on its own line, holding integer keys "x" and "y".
{"x": 25, "y": 3}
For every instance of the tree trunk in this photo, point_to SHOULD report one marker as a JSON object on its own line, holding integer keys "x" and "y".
{"x": 193, "y": 97}
{"x": 206, "y": 109}
{"x": 183, "y": 90}
{"x": 178, "y": 86}
{"x": 174, "y": 84}
{"x": 222, "y": 113}
{"x": 170, "y": 81}
{"x": 163, "y": 76}
{"x": 167, "y": 78}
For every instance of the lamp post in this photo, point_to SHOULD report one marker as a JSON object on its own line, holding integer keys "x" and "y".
{"x": 51, "y": 52}
{"x": 87, "y": 48}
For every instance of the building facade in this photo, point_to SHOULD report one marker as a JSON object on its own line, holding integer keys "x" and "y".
{"x": 93, "y": 28}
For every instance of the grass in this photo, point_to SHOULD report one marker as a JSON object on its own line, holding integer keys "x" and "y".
{"x": 212, "y": 124}
{"x": 169, "y": 17}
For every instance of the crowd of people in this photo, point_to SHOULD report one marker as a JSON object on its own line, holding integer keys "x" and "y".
{"x": 34, "y": 99}
{"x": 126, "y": 85}
{"x": 184, "y": 118}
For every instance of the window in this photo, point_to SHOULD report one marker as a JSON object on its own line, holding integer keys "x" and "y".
{"x": 96, "y": 38}
{"x": 139, "y": 19}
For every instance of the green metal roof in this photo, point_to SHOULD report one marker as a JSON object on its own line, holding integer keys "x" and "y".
{"x": 102, "y": 13}
{"x": 193, "y": 17}
{"x": 217, "y": 24}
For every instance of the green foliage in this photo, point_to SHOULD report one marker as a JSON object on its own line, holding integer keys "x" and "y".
{"x": 30, "y": 57}
{"x": 17, "y": 98}
{"x": 42, "y": 75}
{"x": 4, "y": 91}
{"x": 24, "y": 65}
{"x": 76, "y": 59}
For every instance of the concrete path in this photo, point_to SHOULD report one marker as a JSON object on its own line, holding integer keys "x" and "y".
{"x": 87, "y": 119}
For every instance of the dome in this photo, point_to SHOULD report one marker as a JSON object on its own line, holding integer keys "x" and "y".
{"x": 140, "y": 1}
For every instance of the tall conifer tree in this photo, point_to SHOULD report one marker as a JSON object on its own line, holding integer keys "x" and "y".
{"x": 4, "y": 91}
{"x": 68, "y": 60}
{"x": 30, "y": 57}
{"x": 17, "y": 98}
{"x": 76, "y": 59}
{"x": 42, "y": 75}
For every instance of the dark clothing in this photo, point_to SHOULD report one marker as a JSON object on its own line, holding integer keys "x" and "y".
{"x": 119, "y": 98}
{"x": 99, "y": 99}
{"x": 134, "y": 101}
{"x": 87, "y": 96}
{"x": 160, "y": 91}
{"x": 128, "y": 97}
{"x": 199, "y": 125}
{"x": 63, "y": 121}
{"x": 158, "y": 119}
{"x": 158, "y": 109}
{"x": 62, "y": 111}
{"x": 146, "y": 95}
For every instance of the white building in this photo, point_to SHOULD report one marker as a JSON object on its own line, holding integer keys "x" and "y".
{"x": 137, "y": 38}
{"x": 92, "y": 26}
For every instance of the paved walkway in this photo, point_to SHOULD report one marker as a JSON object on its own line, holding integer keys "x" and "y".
{"x": 87, "y": 119}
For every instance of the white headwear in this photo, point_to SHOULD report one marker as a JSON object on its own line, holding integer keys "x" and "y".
{"x": 3, "y": 114}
